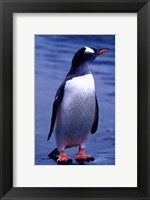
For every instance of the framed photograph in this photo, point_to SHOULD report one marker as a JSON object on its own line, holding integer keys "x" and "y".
{"x": 74, "y": 99}
{"x": 62, "y": 46}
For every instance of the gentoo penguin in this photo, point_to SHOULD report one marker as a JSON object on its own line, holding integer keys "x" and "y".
{"x": 75, "y": 108}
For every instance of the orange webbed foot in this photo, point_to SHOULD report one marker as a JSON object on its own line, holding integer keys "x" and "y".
{"x": 64, "y": 158}
{"x": 81, "y": 156}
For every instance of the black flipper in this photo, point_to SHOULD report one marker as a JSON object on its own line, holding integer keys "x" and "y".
{"x": 56, "y": 104}
{"x": 95, "y": 123}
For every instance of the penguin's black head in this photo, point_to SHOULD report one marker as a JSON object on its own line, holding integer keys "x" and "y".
{"x": 85, "y": 55}
{"x": 82, "y": 58}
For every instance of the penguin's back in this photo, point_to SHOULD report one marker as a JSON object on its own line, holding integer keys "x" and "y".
{"x": 76, "y": 113}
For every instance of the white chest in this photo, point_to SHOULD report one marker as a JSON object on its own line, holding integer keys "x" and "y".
{"x": 82, "y": 85}
{"x": 77, "y": 110}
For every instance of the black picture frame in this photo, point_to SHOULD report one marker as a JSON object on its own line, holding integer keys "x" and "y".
{"x": 7, "y": 8}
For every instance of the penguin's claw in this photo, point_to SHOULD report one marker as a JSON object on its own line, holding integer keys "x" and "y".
{"x": 64, "y": 158}
{"x": 81, "y": 156}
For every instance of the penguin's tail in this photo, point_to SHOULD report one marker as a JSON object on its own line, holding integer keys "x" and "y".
{"x": 54, "y": 154}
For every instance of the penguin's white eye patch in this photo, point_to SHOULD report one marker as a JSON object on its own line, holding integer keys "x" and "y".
{"x": 89, "y": 50}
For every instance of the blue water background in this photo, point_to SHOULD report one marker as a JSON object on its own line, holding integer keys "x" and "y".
{"x": 53, "y": 55}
